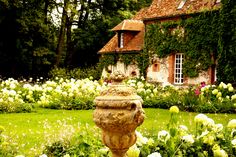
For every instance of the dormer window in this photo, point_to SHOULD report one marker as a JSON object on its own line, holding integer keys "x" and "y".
{"x": 121, "y": 39}
{"x": 181, "y": 4}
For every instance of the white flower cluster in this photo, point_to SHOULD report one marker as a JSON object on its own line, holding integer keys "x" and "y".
{"x": 221, "y": 92}
{"x": 13, "y": 94}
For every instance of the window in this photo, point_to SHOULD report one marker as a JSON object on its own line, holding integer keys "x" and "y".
{"x": 155, "y": 67}
{"x": 121, "y": 40}
{"x": 181, "y": 4}
{"x": 178, "y": 72}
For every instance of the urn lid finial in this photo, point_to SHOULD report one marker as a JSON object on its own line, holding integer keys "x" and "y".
{"x": 117, "y": 76}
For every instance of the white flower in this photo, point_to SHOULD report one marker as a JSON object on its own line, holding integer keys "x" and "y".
{"x": 103, "y": 150}
{"x": 200, "y": 118}
{"x": 220, "y": 153}
{"x": 163, "y": 135}
{"x": 183, "y": 129}
{"x": 209, "y": 122}
{"x": 67, "y": 155}
{"x": 223, "y": 85}
{"x": 229, "y": 85}
{"x": 217, "y": 128}
{"x": 188, "y": 139}
{"x": 232, "y": 124}
{"x": 155, "y": 154}
{"x": 219, "y": 94}
{"x": 43, "y": 155}
{"x": 231, "y": 89}
{"x": 140, "y": 139}
{"x": 233, "y": 142}
{"x": 233, "y": 97}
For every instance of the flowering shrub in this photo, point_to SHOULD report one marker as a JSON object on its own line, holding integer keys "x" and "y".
{"x": 12, "y": 97}
{"x": 22, "y": 96}
{"x": 208, "y": 139}
{"x": 69, "y": 94}
{"x": 221, "y": 98}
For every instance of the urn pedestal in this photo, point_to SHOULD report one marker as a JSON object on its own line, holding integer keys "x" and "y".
{"x": 118, "y": 113}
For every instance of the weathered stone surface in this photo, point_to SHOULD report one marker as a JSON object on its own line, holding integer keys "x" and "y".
{"x": 118, "y": 113}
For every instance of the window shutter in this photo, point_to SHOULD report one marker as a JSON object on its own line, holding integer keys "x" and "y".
{"x": 171, "y": 62}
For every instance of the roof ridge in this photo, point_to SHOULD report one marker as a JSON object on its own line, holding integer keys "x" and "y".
{"x": 133, "y": 20}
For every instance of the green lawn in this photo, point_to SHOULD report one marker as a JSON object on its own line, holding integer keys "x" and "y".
{"x": 31, "y": 131}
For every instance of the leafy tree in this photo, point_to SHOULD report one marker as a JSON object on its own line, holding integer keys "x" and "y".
{"x": 27, "y": 38}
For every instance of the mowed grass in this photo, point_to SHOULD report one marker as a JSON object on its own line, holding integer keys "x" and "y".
{"x": 31, "y": 131}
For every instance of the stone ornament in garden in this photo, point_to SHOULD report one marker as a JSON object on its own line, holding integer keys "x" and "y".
{"x": 118, "y": 113}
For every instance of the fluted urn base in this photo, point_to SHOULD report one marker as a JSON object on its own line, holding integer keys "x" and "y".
{"x": 119, "y": 153}
{"x": 119, "y": 142}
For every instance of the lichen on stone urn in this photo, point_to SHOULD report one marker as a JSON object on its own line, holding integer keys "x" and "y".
{"x": 118, "y": 113}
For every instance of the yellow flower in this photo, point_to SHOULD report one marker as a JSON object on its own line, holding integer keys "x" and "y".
{"x": 174, "y": 109}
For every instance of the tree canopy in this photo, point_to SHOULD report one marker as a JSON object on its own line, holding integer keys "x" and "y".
{"x": 37, "y": 35}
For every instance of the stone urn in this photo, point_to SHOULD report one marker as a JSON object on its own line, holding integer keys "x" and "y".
{"x": 118, "y": 113}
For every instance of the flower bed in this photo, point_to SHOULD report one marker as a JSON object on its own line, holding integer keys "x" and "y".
{"x": 22, "y": 96}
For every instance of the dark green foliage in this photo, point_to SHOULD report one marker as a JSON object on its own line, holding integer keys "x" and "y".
{"x": 226, "y": 71}
{"x": 26, "y": 41}
{"x": 76, "y": 73}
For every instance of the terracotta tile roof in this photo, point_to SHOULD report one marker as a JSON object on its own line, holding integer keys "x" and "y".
{"x": 129, "y": 25}
{"x": 135, "y": 44}
{"x": 168, "y": 8}
{"x": 140, "y": 14}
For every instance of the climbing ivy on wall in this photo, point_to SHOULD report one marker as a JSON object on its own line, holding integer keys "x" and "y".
{"x": 226, "y": 70}
{"x": 196, "y": 37}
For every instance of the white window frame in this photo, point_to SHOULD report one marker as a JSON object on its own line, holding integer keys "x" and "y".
{"x": 121, "y": 40}
{"x": 181, "y": 4}
{"x": 178, "y": 70}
